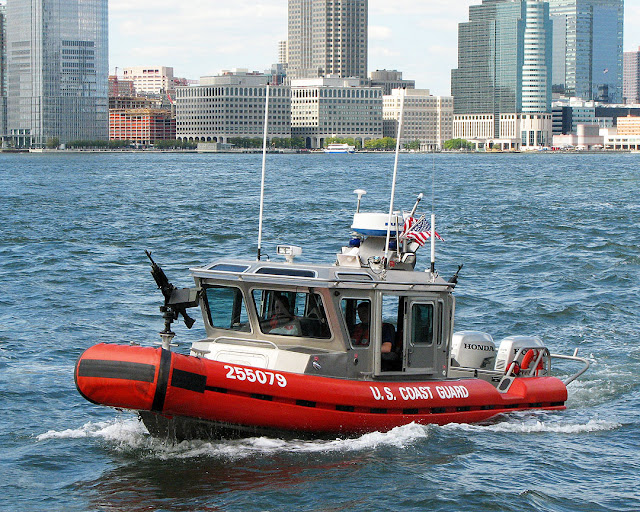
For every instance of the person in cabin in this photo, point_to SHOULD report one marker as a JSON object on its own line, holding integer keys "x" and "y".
{"x": 282, "y": 321}
{"x": 360, "y": 334}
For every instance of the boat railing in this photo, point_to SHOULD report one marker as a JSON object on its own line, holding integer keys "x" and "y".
{"x": 244, "y": 341}
{"x": 576, "y": 358}
{"x": 542, "y": 356}
{"x": 515, "y": 370}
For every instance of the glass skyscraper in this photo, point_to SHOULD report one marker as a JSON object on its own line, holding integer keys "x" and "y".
{"x": 587, "y": 48}
{"x": 504, "y": 59}
{"x": 327, "y": 37}
{"x": 57, "y": 71}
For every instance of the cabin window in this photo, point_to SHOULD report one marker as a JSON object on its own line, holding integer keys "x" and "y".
{"x": 422, "y": 324}
{"x": 287, "y": 313}
{"x": 226, "y": 309}
{"x": 356, "y": 314}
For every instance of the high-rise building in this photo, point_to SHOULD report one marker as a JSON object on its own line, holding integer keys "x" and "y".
{"x": 631, "y": 77}
{"x": 504, "y": 59}
{"x": 587, "y": 48}
{"x": 57, "y": 69}
{"x": 327, "y": 37}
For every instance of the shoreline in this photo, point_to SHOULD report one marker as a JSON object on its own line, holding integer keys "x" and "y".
{"x": 312, "y": 152}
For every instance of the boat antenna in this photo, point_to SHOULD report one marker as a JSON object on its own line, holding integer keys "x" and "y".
{"x": 395, "y": 174}
{"x": 433, "y": 217}
{"x": 264, "y": 164}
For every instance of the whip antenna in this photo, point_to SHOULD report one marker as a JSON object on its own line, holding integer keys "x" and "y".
{"x": 264, "y": 164}
{"x": 395, "y": 174}
{"x": 433, "y": 217}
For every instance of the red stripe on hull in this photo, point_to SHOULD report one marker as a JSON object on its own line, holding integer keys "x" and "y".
{"x": 256, "y": 397}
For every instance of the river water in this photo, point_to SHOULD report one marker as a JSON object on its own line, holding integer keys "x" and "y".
{"x": 550, "y": 247}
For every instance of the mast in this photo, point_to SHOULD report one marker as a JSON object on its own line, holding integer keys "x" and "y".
{"x": 433, "y": 217}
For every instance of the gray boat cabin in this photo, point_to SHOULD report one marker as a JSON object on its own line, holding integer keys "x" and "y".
{"x": 369, "y": 316}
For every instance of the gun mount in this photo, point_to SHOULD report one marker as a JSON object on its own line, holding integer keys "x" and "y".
{"x": 176, "y": 301}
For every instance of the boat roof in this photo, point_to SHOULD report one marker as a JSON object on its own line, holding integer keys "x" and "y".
{"x": 319, "y": 275}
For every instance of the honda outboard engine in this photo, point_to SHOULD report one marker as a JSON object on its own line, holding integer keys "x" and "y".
{"x": 509, "y": 348}
{"x": 472, "y": 349}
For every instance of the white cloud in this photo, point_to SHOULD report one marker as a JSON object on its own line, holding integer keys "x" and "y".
{"x": 377, "y": 32}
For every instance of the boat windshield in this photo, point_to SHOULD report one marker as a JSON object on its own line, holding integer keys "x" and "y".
{"x": 289, "y": 313}
{"x": 226, "y": 309}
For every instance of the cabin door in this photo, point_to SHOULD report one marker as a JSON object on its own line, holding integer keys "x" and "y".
{"x": 423, "y": 341}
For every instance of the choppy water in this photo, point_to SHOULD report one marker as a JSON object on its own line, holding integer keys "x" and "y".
{"x": 550, "y": 246}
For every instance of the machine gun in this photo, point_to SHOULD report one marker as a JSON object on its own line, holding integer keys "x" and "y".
{"x": 454, "y": 277}
{"x": 176, "y": 301}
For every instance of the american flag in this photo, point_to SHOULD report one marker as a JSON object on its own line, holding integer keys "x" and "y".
{"x": 418, "y": 230}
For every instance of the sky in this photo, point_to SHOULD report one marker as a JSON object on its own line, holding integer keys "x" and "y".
{"x": 202, "y": 37}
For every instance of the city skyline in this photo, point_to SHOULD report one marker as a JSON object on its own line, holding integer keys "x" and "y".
{"x": 246, "y": 35}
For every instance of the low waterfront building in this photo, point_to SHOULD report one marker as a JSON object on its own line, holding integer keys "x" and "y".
{"x": 473, "y": 126}
{"x": 531, "y": 131}
{"x": 322, "y": 108}
{"x": 517, "y": 131}
{"x": 587, "y": 137}
{"x": 629, "y": 125}
{"x": 567, "y": 113}
{"x": 622, "y": 142}
{"x": 426, "y": 118}
{"x": 141, "y": 126}
{"x": 232, "y": 105}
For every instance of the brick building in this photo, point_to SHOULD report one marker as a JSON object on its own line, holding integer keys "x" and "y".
{"x": 141, "y": 126}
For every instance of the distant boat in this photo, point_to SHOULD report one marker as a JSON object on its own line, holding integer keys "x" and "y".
{"x": 339, "y": 148}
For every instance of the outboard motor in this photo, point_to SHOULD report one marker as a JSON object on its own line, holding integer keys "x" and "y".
{"x": 472, "y": 349}
{"x": 509, "y": 348}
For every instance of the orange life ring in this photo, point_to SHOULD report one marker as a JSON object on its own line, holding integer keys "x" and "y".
{"x": 531, "y": 355}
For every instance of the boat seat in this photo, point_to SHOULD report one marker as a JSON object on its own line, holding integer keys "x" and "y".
{"x": 314, "y": 328}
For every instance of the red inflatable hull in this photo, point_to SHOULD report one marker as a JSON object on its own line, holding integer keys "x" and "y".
{"x": 173, "y": 387}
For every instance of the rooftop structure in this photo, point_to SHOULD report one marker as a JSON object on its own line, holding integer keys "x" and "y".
{"x": 389, "y": 80}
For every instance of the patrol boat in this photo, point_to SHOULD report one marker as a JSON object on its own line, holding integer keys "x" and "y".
{"x": 322, "y": 350}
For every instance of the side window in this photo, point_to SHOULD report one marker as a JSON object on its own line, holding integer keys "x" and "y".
{"x": 422, "y": 324}
{"x": 357, "y": 317}
{"x": 226, "y": 308}
{"x": 291, "y": 313}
